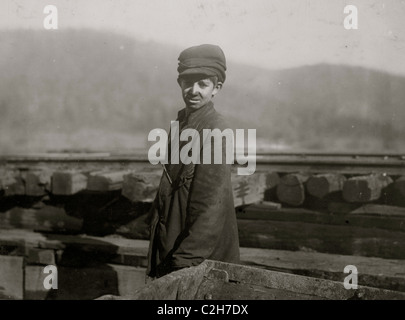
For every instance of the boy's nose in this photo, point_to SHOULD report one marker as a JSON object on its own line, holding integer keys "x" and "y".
{"x": 195, "y": 88}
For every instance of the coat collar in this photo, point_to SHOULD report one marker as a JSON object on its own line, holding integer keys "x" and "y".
{"x": 196, "y": 116}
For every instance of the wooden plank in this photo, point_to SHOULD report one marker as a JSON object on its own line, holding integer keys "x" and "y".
{"x": 40, "y": 256}
{"x": 110, "y": 245}
{"x": 291, "y": 189}
{"x": 106, "y": 181}
{"x": 84, "y": 283}
{"x": 11, "y": 278}
{"x": 34, "y": 283}
{"x": 398, "y": 191}
{"x": 141, "y": 186}
{"x": 13, "y": 183}
{"x": 177, "y": 285}
{"x": 252, "y": 188}
{"x": 299, "y": 236}
{"x": 19, "y": 238}
{"x": 297, "y": 284}
{"x": 365, "y": 188}
{"x": 272, "y": 181}
{"x": 68, "y": 182}
{"x": 217, "y": 289}
{"x": 341, "y": 207}
{"x": 48, "y": 218}
{"x": 6, "y": 177}
{"x": 321, "y": 185}
{"x": 37, "y": 182}
{"x": 260, "y": 212}
{"x": 386, "y": 273}
{"x": 375, "y": 272}
{"x": 248, "y": 189}
{"x": 129, "y": 279}
{"x": 380, "y": 210}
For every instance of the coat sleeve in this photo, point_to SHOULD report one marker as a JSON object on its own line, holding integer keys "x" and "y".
{"x": 206, "y": 214}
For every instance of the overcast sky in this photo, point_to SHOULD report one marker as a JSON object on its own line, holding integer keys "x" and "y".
{"x": 274, "y": 34}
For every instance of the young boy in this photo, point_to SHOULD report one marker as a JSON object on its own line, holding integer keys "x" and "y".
{"x": 193, "y": 215}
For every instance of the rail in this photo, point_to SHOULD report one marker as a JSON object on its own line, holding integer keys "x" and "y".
{"x": 343, "y": 162}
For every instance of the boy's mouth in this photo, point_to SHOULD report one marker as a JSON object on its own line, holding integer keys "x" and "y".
{"x": 193, "y": 99}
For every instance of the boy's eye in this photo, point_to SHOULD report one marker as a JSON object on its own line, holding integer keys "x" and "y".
{"x": 200, "y": 83}
{"x": 203, "y": 84}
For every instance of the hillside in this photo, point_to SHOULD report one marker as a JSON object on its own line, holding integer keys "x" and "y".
{"x": 103, "y": 91}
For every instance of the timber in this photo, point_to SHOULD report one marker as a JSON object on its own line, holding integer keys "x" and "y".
{"x": 108, "y": 245}
{"x": 219, "y": 280}
{"x": 141, "y": 186}
{"x": 84, "y": 283}
{"x": 68, "y": 182}
{"x": 365, "y": 188}
{"x": 252, "y": 188}
{"x": 37, "y": 182}
{"x": 291, "y": 189}
{"x": 7, "y": 178}
{"x": 40, "y": 256}
{"x": 322, "y": 185}
{"x": 369, "y": 216}
{"x": 106, "y": 181}
{"x": 48, "y": 218}
{"x": 116, "y": 266}
{"x": 315, "y": 234}
{"x": 13, "y": 183}
{"x": 314, "y": 237}
{"x": 380, "y": 210}
{"x": 11, "y": 278}
{"x": 372, "y": 271}
{"x": 398, "y": 191}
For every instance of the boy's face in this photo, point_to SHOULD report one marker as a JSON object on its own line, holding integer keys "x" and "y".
{"x": 197, "y": 91}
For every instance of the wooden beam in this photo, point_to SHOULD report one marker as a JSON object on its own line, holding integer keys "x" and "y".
{"x": 291, "y": 189}
{"x": 380, "y": 210}
{"x": 12, "y": 182}
{"x": 321, "y": 185}
{"x": 106, "y": 181}
{"x": 6, "y": 177}
{"x": 48, "y": 218}
{"x": 40, "y": 256}
{"x": 398, "y": 191}
{"x": 11, "y": 278}
{"x": 365, "y": 188}
{"x": 84, "y": 283}
{"x": 298, "y": 285}
{"x": 299, "y": 236}
{"x": 68, "y": 182}
{"x": 373, "y": 272}
{"x": 109, "y": 245}
{"x": 141, "y": 186}
{"x": 341, "y": 207}
{"x": 37, "y": 182}
{"x": 218, "y": 280}
{"x": 252, "y": 188}
{"x": 395, "y": 222}
{"x": 376, "y": 272}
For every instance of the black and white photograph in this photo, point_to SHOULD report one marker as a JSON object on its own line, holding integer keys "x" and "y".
{"x": 223, "y": 152}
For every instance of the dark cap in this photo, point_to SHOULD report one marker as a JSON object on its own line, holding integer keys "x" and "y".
{"x": 205, "y": 59}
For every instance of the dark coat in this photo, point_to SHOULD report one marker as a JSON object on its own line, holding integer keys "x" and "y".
{"x": 193, "y": 217}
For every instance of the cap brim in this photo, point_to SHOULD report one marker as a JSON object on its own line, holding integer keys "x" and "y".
{"x": 198, "y": 71}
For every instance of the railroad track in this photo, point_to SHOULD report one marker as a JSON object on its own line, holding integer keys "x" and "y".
{"x": 345, "y": 163}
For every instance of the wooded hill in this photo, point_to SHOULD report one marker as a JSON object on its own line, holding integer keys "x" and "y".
{"x": 82, "y": 89}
